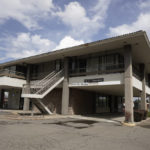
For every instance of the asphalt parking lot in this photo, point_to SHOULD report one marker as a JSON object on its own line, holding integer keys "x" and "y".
{"x": 72, "y": 134}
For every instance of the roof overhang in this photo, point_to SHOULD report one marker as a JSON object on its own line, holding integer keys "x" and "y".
{"x": 138, "y": 40}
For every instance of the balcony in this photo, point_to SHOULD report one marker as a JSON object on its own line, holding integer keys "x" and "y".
{"x": 102, "y": 69}
{"x": 111, "y": 68}
{"x": 12, "y": 74}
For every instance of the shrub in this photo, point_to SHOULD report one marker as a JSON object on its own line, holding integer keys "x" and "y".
{"x": 148, "y": 114}
{"x": 140, "y": 115}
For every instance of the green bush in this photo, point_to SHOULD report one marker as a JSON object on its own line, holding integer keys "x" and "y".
{"x": 140, "y": 115}
{"x": 148, "y": 114}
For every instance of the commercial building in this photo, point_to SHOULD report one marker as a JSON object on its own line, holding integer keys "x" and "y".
{"x": 97, "y": 77}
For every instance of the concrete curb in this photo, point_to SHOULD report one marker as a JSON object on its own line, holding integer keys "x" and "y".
{"x": 138, "y": 123}
{"x": 30, "y": 117}
{"x": 128, "y": 124}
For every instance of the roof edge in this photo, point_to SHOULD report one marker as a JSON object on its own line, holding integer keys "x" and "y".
{"x": 103, "y": 41}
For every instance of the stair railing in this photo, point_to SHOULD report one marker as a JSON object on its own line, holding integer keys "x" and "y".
{"x": 51, "y": 82}
{"x": 42, "y": 85}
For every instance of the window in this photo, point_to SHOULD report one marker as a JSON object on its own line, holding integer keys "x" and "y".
{"x": 110, "y": 62}
{"x": 82, "y": 65}
{"x": 58, "y": 65}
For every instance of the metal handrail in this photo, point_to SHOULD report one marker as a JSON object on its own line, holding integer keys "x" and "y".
{"x": 47, "y": 77}
{"x": 50, "y": 81}
{"x": 46, "y": 83}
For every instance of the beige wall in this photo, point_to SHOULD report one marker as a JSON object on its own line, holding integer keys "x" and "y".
{"x": 12, "y": 82}
{"x": 109, "y": 79}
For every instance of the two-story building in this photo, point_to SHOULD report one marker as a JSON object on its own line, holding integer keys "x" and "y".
{"x": 97, "y": 77}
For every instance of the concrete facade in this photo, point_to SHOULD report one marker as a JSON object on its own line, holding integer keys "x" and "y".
{"x": 67, "y": 81}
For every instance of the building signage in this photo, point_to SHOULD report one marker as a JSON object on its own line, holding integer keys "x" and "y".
{"x": 94, "y": 80}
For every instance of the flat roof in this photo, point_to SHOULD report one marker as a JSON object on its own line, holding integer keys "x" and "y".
{"x": 138, "y": 40}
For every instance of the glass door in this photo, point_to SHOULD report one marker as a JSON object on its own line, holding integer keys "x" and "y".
{"x": 102, "y": 104}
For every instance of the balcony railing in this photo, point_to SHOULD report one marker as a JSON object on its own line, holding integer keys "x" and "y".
{"x": 102, "y": 69}
{"x": 111, "y": 68}
{"x": 12, "y": 74}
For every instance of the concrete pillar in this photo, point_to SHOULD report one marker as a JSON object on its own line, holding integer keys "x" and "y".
{"x": 26, "y": 105}
{"x": 1, "y": 98}
{"x": 143, "y": 93}
{"x": 65, "y": 90}
{"x": 128, "y": 84}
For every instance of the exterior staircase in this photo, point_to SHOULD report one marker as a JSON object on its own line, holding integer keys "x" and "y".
{"x": 37, "y": 91}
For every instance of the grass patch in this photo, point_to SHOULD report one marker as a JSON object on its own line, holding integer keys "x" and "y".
{"x": 148, "y": 114}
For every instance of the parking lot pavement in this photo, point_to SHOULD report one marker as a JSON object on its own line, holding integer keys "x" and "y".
{"x": 145, "y": 124}
{"x": 71, "y": 134}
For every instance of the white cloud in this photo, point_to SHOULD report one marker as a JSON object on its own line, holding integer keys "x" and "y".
{"x": 142, "y": 23}
{"x": 100, "y": 10}
{"x": 68, "y": 41}
{"x": 25, "y": 45}
{"x": 75, "y": 16}
{"x": 144, "y": 4}
{"x": 25, "y": 12}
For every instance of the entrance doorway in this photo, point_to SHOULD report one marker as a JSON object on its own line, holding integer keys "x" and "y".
{"x": 102, "y": 104}
{"x": 108, "y": 104}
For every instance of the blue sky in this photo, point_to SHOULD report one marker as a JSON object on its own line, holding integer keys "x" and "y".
{"x": 30, "y": 27}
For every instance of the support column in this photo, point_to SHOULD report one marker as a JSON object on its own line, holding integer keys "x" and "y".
{"x": 143, "y": 93}
{"x": 1, "y": 98}
{"x": 65, "y": 90}
{"x": 128, "y": 84}
{"x": 26, "y": 105}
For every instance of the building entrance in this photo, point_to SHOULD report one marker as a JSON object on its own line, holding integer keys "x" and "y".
{"x": 108, "y": 104}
